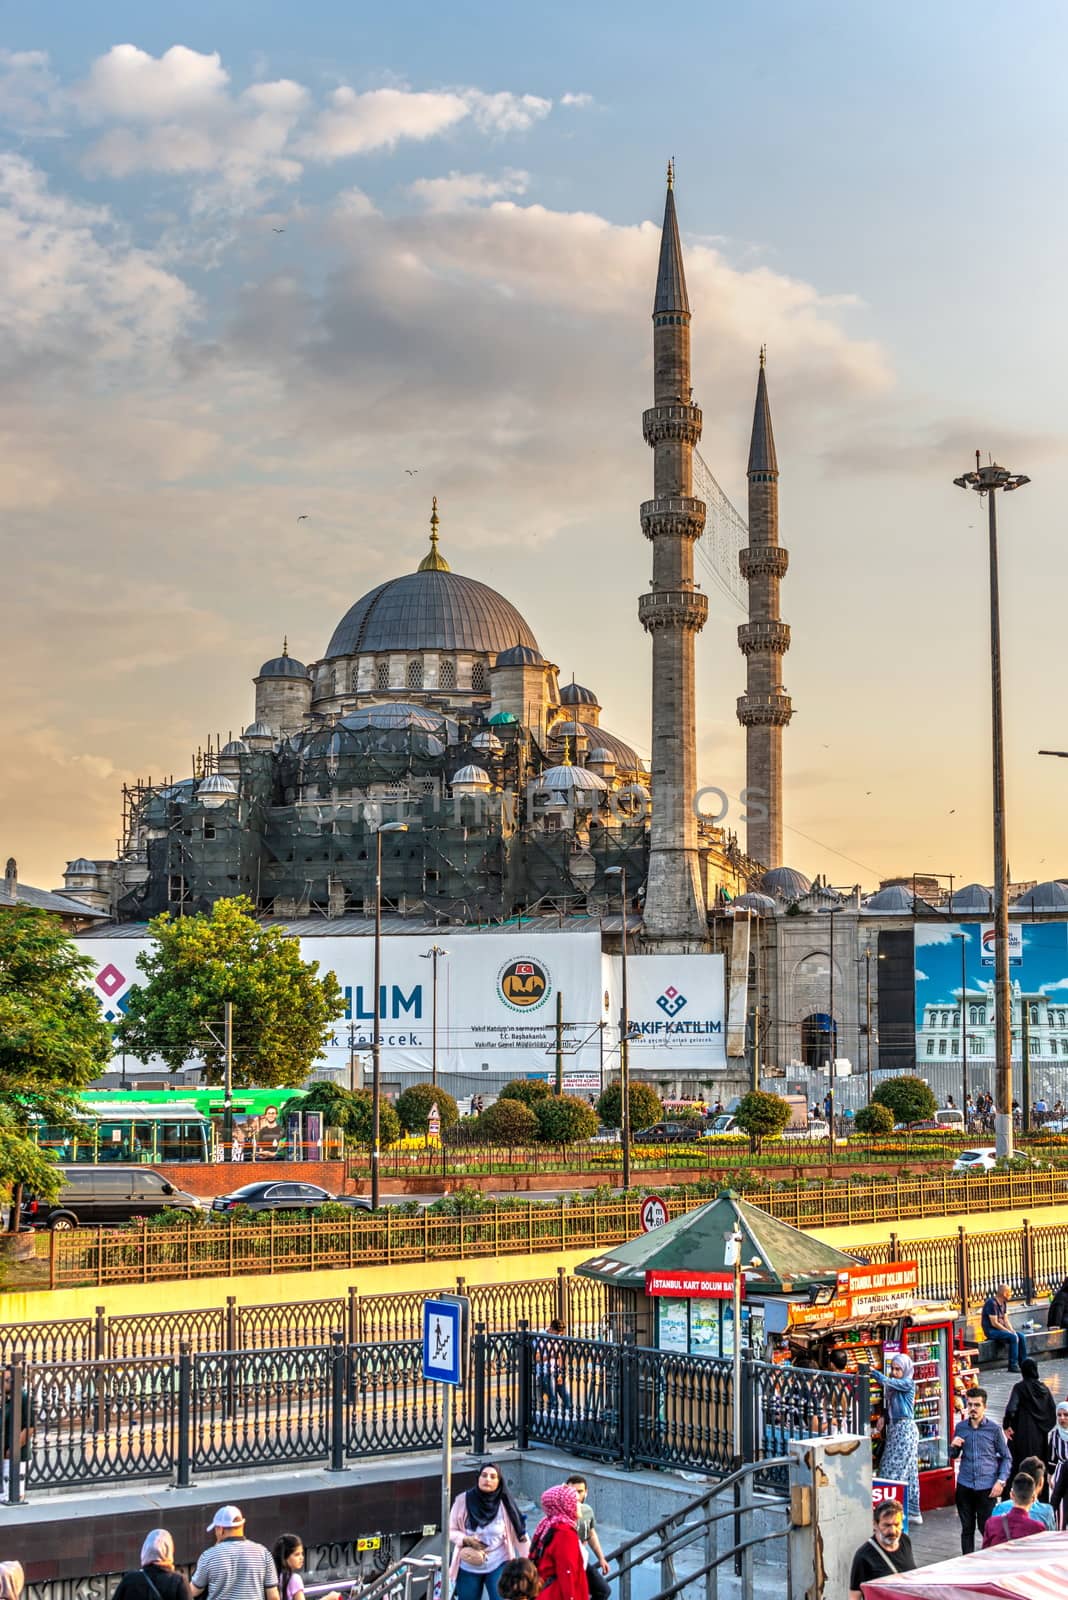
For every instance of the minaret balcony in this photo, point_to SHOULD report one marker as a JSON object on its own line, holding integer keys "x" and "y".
{"x": 764, "y": 638}
{"x": 763, "y": 561}
{"x": 679, "y": 423}
{"x": 685, "y": 610}
{"x": 772, "y": 710}
{"x": 673, "y": 517}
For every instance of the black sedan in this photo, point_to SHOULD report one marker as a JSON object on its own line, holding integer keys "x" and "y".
{"x": 668, "y": 1133}
{"x": 285, "y": 1197}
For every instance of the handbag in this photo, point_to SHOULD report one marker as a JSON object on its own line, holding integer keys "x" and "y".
{"x": 473, "y": 1555}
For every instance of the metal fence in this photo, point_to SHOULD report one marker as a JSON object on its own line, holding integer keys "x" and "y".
{"x": 100, "y": 1422}
{"x": 964, "y": 1268}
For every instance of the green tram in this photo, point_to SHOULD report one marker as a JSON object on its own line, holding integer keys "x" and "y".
{"x": 184, "y": 1125}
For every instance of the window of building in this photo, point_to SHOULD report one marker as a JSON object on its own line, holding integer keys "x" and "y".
{"x": 382, "y": 675}
{"x": 478, "y": 677}
{"x": 415, "y": 674}
{"x": 930, "y": 1047}
{"x": 982, "y": 1016}
{"x": 1034, "y": 1016}
{"x": 941, "y": 1047}
{"x": 956, "y": 1019}
{"x": 1053, "y": 1047}
{"x": 447, "y": 673}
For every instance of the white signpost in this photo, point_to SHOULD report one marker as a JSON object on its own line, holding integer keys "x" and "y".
{"x": 446, "y": 1321}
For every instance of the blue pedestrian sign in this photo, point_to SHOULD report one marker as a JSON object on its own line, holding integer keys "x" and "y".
{"x": 445, "y": 1339}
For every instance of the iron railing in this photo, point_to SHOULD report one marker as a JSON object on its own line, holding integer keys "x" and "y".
{"x": 964, "y": 1268}
{"x": 97, "y": 1423}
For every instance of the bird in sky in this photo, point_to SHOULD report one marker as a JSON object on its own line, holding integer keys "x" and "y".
{"x": 278, "y": 230}
{"x": 411, "y": 471}
{"x": 303, "y": 517}
{"x": 953, "y": 813}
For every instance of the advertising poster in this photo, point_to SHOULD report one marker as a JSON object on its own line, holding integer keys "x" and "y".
{"x": 704, "y": 1328}
{"x": 1038, "y": 973}
{"x": 676, "y": 1010}
{"x": 673, "y": 1326}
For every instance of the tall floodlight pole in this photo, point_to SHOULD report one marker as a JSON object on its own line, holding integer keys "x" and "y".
{"x": 376, "y": 1036}
{"x": 963, "y": 937}
{"x": 434, "y": 954}
{"x": 624, "y": 1027}
{"x": 988, "y": 480}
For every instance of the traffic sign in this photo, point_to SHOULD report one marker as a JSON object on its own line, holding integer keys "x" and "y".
{"x": 653, "y": 1213}
{"x": 445, "y": 1322}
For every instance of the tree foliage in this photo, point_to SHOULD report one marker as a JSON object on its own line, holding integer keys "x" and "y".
{"x": 874, "y": 1119}
{"x": 508, "y": 1122}
{"x": 528, "y": 1091}
{"x": 352, "y": 1110}
{"x": 564, "y": 1119}
{"x": 645, "y": 1106}
{"x": 282, "y": 1008}
{"x": 908, "y": 1098}
{"x": 53, "y": 1040}
{"x": 762, "y": 1116}
{"x": 413, "y": 1107}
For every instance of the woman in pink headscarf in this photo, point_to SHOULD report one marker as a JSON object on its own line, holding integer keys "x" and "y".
{"x": 555, "y": 1549}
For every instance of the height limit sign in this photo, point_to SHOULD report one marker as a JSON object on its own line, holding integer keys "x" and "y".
{"x": 653, "y": 1213}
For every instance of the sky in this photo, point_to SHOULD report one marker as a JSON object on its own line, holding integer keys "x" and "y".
{"x": 257, "y": 261}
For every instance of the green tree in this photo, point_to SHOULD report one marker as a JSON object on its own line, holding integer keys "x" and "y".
{"x": 645, "y": 1106}
{"x": 874, "y": 1119}
{"x": 282, "y": 1008}
{"x": 352, "y": 1110}
{"x": 528, "y": 1091}
{"x": 413, "y": 1107}
{"x": 908, "y": 1098}
{"x": 761, "y": 1116}
{"x": 564, "y": 1119}
{"x": 508, "y": 1122}
{"x": 53, "y": 1041}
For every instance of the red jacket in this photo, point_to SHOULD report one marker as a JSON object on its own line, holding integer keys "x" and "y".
{"x": 559, "y": 1563}
{"x": 1017, "y": 1524}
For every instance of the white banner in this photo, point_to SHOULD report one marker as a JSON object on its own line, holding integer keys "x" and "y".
{"x": 676, "y": 1009}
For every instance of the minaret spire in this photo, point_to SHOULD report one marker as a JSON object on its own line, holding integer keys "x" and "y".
{"x": 765, "y": 709}
{"x": 674, "y": 611}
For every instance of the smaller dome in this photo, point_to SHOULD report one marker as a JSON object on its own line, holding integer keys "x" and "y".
{"x": 236, "y": 747}
{"x": 973, "y": 897}
{"x": 898, "y": 897}
{"x": 601, "y": 757}
{"x": 1051, "y": 896}
{"x": 216, "y": 784}
{"x": 785, "y": 882}
{"x": 486, "y": 741}
{"x": 257, "y": 730}
{"x": 472, "y": 775}
{"x": 570, "y": 778}
{"x": 283, "y": 667}
{"x": 520, "y": 655}
{"x": 762, "y": 904}
{"x": 573, "y": 694}
{"x": 82, "y": 867}
{"x": 501, "y": 719}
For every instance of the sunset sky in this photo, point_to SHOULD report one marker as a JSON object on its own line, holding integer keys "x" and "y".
{"x": 470, "y": 197}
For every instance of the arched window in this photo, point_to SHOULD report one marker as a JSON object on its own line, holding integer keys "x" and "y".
{"x": 982, "y": 1016}
{"x": 1034, "y": 1016}
{"x": 447, "y": 673}
{"x": 354, "y": 679}
{"x": 973, "y": 1015}
{"x": 415, "y": 674}
{"x": 382, "y": 675}
{"x": 956, "y": 1019}
{"x": 478, "y": 677}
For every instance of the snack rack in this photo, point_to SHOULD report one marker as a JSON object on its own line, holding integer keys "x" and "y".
{"x": 930, "y": 1345}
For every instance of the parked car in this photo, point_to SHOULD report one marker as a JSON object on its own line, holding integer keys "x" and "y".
{"x": 815, "y": 1129}
{"x": 104, "y": 1196}
{"x": 668, "y": 1133}
{"x": 606, "y": 1135}
{"x": 285, "y": 1197}
{"x": 985, "y": 1160}
{"x": 725, "y": 1124}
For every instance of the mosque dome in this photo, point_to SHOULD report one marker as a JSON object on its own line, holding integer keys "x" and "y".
{"x": 432, "y": 608}
{"x": 83, "y": 868}
{"x": 215, "y": 790}
{"x": 786, "y": 883}
{"x": 600, "y": 738}
{"x": 761, "y": 904}
{"x": 283, "y": 666}
{"x": 257, "y": 730}
{"x": 472, "y": 775}
{"x": 520, "y": 655}
{"x": 896, "y": 897}
{"x": 566, "y": 777}
{"x": 501, "y": 719}
{"x": 1051, "y": 896}
{"x": 973, "y": 897}
{"x": 573, "y": 694}
{"x": 487, "y": 740}
{"x": 399, "y": 714}
{"x": 235, "y": 747}
{"x": 600, "y": 757}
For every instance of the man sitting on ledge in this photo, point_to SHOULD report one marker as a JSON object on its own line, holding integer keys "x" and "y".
{"x": 996, "y": 1325}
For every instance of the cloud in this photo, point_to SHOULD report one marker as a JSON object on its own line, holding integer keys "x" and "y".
{"x": 581, "y": 99}
{"x": 466, "y": 188}
{"x": 505, "y": 113}
{"x": 927, "y": 936}
{"x": 30, "y": 97}
{"x": 355, "y": 124}
{"x": 922, "y": 977}
{"x": 129, "y": 85}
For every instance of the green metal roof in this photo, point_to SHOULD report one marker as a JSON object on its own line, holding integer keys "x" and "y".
{"x": 696, "y": 1243}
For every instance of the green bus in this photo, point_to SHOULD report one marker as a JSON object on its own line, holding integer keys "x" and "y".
{"x": 183, "y": 1124}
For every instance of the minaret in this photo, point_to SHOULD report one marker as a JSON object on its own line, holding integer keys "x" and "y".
{"x": 765, "y": 709}
{"x": 673, "y": 611}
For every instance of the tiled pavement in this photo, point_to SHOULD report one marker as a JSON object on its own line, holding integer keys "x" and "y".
{"x": 939, "y": 1536}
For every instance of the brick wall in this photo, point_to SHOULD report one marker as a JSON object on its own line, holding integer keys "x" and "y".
{"x": 209, "y": 1178}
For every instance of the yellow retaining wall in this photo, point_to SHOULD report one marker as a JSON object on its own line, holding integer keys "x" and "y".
{"x": 942, "y": 1227}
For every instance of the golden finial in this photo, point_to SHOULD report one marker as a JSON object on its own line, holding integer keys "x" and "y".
{"x": 671, "y": 173}
{"x": 434, "y": 561}
{"x": 763, "y": 355}
{"x": 285, "y": 644}
{"x": 567, "y": 751}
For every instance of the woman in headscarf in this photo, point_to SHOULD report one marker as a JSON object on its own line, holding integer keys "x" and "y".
{"x": 900, "y": 1458}
{"x": 156, "y": 1579}
{"x": 12, "y": 1580}
{"x": 1057, "y": 1316}
{"x": 1029, "y": 1415}
{"x": 486, "y": 1529}
{"x": 1056, "y": 1454}
{"x": 555, "y": 1548}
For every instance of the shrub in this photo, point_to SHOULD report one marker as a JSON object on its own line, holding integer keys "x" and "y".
{"x": 413, "y": 1107}
{"x": 908, "y": 1097}
{"x": 645, "y": 1106}
{"x": 508, "y": 1122}
{"x": 528, "y": 1091}
{"x": 563, "y": 1119}
{"x": 351, "y": 1110}
{"x": 760, "y": 1115}
{"x": 875, "y": 1119}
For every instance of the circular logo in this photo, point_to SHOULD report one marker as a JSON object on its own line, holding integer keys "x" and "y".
{"x": 653, "y": 1213}
{"x": 524, "y": 985}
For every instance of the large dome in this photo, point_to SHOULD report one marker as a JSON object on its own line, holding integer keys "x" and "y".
{"x": 430, "y": 610}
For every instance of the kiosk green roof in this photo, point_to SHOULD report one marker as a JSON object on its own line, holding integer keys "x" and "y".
{"x": 696, "y": 1243}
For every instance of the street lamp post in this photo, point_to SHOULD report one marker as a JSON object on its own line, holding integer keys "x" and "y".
{"x": 831, "y": 1048}
{"x": 733, "y": 1254}
{"x": 963, "y": 937}
{"x": 433, "y": 955}
{"x": 988, "y": 480}
{"x": 376, "y": 1036}
{"x": 624, "y": 1026}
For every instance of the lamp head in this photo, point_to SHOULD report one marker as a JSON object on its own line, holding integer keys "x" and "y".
{"x": 392, "y": 827}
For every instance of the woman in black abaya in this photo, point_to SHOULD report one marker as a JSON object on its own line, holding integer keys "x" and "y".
{"x": 1029, "y": 1415}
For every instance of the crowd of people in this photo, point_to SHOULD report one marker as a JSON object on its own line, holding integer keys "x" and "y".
{"x": 491, "y": 1550}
